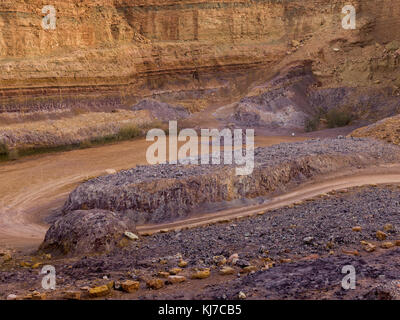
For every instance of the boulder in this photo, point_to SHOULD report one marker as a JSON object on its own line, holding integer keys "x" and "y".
{"x": 87, "y": 231}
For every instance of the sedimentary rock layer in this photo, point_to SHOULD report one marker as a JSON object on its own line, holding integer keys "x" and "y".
{"x": 126, "y": 49}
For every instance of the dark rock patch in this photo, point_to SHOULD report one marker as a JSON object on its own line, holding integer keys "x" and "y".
{"x": 162, "y": 111}
{"x": 86, "y": 231}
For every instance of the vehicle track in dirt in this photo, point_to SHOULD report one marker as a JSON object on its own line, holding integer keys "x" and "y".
{"x": 387, "y": 174}
{"x": 32, "y": 187}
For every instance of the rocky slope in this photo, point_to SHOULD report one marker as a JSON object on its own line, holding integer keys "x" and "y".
{"x": 387, "y": 129}
{"x": 197, "y": 52}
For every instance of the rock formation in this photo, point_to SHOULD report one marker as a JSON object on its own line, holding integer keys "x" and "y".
{"x": 87, "y": 231}
{"x": 111, "y": 53}
{"x": 168, "y": 192}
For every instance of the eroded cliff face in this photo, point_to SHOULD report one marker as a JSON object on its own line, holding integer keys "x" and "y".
{"x": 180, "y": 50}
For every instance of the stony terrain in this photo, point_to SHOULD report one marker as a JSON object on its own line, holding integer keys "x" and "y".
{"x": 161, "y": 111}
{"x": 387, "y": 129}
{"x": 289, "y": 253}
{"x": 168, "y": 192}
{"x": 294, "y": 96}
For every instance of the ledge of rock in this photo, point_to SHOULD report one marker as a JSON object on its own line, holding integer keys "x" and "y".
{"x": 167, "y": 192}
{"x": 87, "y": 231}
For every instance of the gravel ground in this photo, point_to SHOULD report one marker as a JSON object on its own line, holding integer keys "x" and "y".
{"x": 322, "y": 227}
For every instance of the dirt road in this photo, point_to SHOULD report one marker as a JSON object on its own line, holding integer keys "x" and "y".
{"x": 30, "y": 188}
{"x": 374, "y": 175}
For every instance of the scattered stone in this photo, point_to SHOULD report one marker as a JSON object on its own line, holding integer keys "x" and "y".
{"x": 381, "y": 235}
{"x": 100, "y": 291}
{"x": 25, "y": 264}
{"x": 130, "y": 235}
{"x": 130, "y": 286}
{"x": 7, "y": 257}
{"x": 308, "y": 240}
{"x": 12, "y": 297}
{"x": 397, "y": 243}
{"x": 387, "y": 245}
{"x": 155, "y": 284}
{"x": 35, "y": 295}
{"x": 36, "y": 265}
{"x": 182, "y": 264}
{"x": 219, "y": 260}
{"x": 117, "y": 285}
{"x": 369, "y": 247}
{"x": 285, "y": 260}
{"x": 233, "y": 258}
{"x": 357, "y": 229}
{"x": 351, "y": 252}
{"x": 175, "y": 271}
{"x": 242, "y": 263}
{"x": 241, "y": 295}
{"x": 72, "y": 295}
{"x": 295, "y": 43}
{"x": 226, "y": 271}
{"x": 249, "y": 269}
{"x": 163, "y": 274}
{"x": 176, "y": 279}
{"x": 201, "y": 274}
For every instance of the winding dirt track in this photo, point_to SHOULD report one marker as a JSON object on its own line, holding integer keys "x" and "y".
{"x": 389, "y": 174}
{"x": 30, "y": 188}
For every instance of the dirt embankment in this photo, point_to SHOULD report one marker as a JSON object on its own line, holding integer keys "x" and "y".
{"x": 387, "y": 130}
{"x": 85, "y": 128}
{"x": 169, "y": 192}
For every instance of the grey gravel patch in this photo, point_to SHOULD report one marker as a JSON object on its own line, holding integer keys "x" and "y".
{"x": 161, "y": 110}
